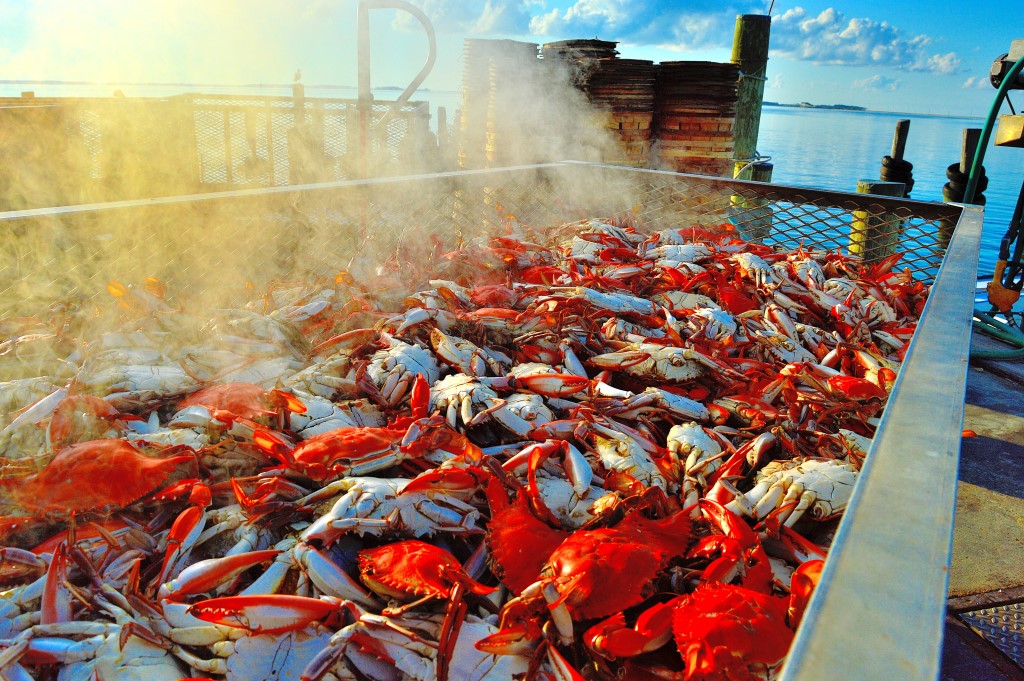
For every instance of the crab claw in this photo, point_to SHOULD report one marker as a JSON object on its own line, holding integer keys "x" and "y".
{"x": 449, "y": 478}
{"x": 518, "y": 639}
{"x": 612, "y": 638}
{"x": 266, "y": 614}
{"x": 553, "y": 385}
{"x": 210, "y": 573}
{"x": 620, "y": 360}
{"x": 801, "y": 588}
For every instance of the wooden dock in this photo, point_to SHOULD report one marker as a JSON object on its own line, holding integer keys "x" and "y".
{"x": 986, "y": 580}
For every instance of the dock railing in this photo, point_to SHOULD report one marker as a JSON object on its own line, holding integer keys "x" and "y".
{"x": 70, "y": 151}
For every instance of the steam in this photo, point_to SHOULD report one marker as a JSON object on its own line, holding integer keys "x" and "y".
{"x": 169, "y": 267}
{"x": 518, "y": 109}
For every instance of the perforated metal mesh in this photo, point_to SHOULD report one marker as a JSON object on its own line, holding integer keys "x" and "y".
{"x": 260, "y": 142}
{"x": 215, "y": 248}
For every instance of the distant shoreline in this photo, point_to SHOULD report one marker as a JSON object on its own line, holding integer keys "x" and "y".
{"x": 849, "y": 108}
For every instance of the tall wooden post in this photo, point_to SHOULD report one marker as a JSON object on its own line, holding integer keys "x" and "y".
{"x": 968, "y": 147}
{"x": 899, "y": 139}
{"x": 750, "y": 52}
{"x": 873, "y": 236}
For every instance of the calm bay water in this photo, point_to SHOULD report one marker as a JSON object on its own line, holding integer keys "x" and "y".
{"x": 820, "y": 148}
{"x": 830, "y": 149}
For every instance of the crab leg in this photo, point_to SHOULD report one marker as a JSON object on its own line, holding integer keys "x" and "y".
{"x": 207, "y": 574}
{"x": 56, "y": 603}
{"x": 266, "y": 614}
{"x": 329, "y": 578}
{"x": 185, "y": 531}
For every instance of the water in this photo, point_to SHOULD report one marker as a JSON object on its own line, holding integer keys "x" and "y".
{"x": 829, "y": 149}
{"x": 820, "y": 148}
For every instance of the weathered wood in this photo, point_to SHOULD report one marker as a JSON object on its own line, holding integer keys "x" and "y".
{"x": 968, "y": 146}
{"x": 899, "y": 140}
{"x": 875, "y": 235}
{"x": 750, "y": 52}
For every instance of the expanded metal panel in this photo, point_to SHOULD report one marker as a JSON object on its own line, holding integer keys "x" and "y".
{"x": 89, "y": 128}
{"x": 232, "y": 134}
{"x": 207, "y": 247}
{"x": 211, "y": 150}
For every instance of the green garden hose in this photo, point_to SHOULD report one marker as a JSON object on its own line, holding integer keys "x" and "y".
{"x": 984, "y": 322}
{"x": 990, "y": 326}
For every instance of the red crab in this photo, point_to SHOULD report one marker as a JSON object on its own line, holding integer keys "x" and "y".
{"x": 244, "y": 400}
{"x": 722, "y": 631}
{"x": 417, "y": 571}
{"x": 93, "y": 476}
{"x": 363, "y": 450}
{"x": 83, "y": 417}
{"x": 728, "y": 632}
{"x": 589, "y": 573}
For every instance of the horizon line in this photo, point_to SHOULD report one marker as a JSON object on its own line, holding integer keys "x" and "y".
{"x": 821, "y": 107}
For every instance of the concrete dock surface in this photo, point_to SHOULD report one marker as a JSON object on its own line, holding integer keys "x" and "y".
{"x": 985, "y": 621}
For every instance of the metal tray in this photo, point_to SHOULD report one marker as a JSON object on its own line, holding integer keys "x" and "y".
{"x": 879, "y": 610}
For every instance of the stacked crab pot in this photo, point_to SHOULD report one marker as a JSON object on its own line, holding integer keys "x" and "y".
{"x": 585, "y": 448}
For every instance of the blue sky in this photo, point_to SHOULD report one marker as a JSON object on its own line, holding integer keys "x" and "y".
{"x": 896, "y": 56}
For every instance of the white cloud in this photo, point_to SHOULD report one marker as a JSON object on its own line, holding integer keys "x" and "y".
{"x": 674, "y": 25}
{"x": 831, "y": 38}
{"x": 491, "y": 17}
{"x": 878, "y": 83}
{"x": 943, "y": 64}
{"x": 976, "y": 83}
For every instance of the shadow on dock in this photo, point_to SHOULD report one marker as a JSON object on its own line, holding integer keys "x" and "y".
{"x": 985, "y": 625}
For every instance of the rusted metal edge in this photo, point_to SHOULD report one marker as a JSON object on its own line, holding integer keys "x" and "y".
{"x": 880, "y": 608}
{"x": 989, "y": 599}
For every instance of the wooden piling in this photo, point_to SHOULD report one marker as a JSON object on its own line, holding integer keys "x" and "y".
{"x": 969, "y": 141}
{"x": 968, "y": 146}
{"x": 875, "y": 236}
{"x": 899, "y": 140}
{"x": 750, "y": 52}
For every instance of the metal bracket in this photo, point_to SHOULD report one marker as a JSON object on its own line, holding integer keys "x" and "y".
{"x": 365, "y": 90}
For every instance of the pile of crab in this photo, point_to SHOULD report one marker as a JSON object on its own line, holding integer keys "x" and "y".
{"x": 591, "y": 452}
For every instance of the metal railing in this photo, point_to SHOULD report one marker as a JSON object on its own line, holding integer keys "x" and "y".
{"x": 78, "y": 150}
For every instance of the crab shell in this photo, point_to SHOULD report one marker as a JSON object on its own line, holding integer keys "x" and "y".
{"x": 394, "y": 369}
{"x": 348, "y": 446}
{"x": 246, "y": 400}
{"x": 662, "y": 363}
{"x": 520, "y": 544}
{"x": 724, "y": 629}
{"x": 92, "y": 475}
{"x": 412, "y": 568}
{"x": 604, "y": 571}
